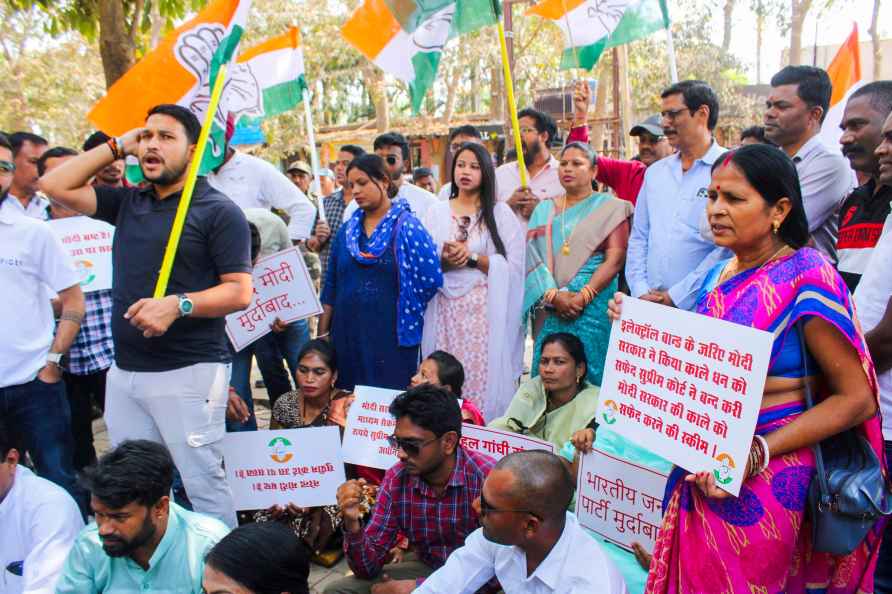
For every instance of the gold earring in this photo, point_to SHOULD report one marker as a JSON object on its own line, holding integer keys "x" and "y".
{"x": 775, "y": 226}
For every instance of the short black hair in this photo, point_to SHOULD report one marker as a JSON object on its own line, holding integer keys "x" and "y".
{"x": 53, "y": 153}
{"x": 264, "y": 557}
{"x": 355, "y": 150}
{"x": 757, "y": 132}
{"x": 813, "y": 85}
{"x": 880, "y": 93}
{"x": 696, "y": 93}
{"x": 6, "y": 440}
{"x": 465, "y": 130}
{"x": 4, "y": 142}
{"x": 420, "y": 172}
{"x": 18, "y": 139}
{"x": 430, "y": 407}
{"x": 450, "y": 371}
{"x": 324, "y": 349}
{"x": 95, "y": 139}
{"x": 184, "y": 116}
{"x": 542, "y": 483}
{"x": 137, "y": 470}
{"x": 544, "y": 122}
{"x": 393, "y": 139}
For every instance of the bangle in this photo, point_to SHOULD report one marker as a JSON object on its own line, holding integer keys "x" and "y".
{"x": 549, "y": 295}
{"x": 323, "y": 335}
{"x": 766, "y": 455}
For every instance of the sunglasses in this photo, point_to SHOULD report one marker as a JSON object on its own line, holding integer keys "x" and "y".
{"x": 486, "y": 508}
{"x": 7, "y": 167}
{"x": 412, "y": 447}
{"x": 391, "y": 159}
{"x": 464, "y": 222}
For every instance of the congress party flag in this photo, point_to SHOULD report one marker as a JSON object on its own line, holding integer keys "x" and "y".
{"x": 276, "y": 67}
{"x": 591, "y": 26}
{"x": 405, "y": 38}
{"x": 182, "y": 70}
{"x": 845, "y": 75}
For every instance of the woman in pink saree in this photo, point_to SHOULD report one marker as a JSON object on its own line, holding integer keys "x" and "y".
{"x": 760, "y": 541}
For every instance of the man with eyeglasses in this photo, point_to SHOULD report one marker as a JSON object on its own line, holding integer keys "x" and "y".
{"x": 457, "y": 137}
{"x": 27, "y": 149}
{"x": 528, "y": 540}
{"x": 670, "y": 247}
{"x": 394, "y": 149}
{"x": 428, "y": 496}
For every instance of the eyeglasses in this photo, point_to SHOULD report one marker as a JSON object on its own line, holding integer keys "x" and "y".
{"x": 529, "y": 131}
{"x": 464, "y": 222}
{"x": 7, "y": 167}
{"x": 486, "y": 508}
{"x": 671, "y": 115}
{"x": 412, "y": 447}
{"x": 391, "y": 159}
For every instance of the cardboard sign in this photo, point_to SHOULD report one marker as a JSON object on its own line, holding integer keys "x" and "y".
{"x": 368, "y": 426}
{"x": 300, "y": 466}
{"x": 89, "y": 243}
{"x": 282, "y": 289}
{"x": 497, "y": 443}
{"x": 619, "y": 500}
{"x": 685, "y": 386}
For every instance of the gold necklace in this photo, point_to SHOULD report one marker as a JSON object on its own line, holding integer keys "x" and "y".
{"x": 728, "y": 273}
{"x": 565, "y": 248}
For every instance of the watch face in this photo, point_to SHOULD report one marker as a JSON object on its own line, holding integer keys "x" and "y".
{"x": 186, "y": 306}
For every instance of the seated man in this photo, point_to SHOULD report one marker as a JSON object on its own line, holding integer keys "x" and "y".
{"x": 434, "y": 485}
{"x": 38, "y": 522}
{"x": 529, "y": 541}
{"x": 141, "y": 540}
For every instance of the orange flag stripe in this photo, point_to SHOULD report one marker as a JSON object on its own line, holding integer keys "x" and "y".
{"x": 371, "y": 27}
{"x": 554, "y": 9}
{"x": 845, "y": 69}
{"x": 157, "y": 78}
{"x": 289, "y": 40}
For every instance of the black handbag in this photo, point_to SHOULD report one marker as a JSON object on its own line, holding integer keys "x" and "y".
{"x": 848, "y": 493}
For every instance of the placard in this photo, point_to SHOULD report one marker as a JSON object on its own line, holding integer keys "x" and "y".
{"x": 369, "y": 424}
{"x": 89, "y": 243}
{"x": 299, "y": 466}
{"x": 620, "y": 500}
{"x": 497, "y": 443}
{"x": 282, "y": 289}
{"x": 685, "y": 386}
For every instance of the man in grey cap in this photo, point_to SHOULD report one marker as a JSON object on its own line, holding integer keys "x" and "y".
{"x": 327, "y": 182}
{"x": 652, "y": 143}
{"x": 301, "y": 174}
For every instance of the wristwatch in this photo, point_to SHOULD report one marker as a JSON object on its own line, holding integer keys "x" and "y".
{"x": 473, "y": 260}
{"x": 185, "y": 306}
{"x": 54, "y": 358}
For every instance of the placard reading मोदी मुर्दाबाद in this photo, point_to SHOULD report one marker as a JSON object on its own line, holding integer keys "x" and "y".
{"x": 685, "y": 386}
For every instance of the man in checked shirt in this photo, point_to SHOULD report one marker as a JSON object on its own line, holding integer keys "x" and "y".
{"x": 427, "y": 496}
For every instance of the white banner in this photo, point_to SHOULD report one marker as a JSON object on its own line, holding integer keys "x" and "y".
{"x": 89, "y": 243}
{"x": 300, "y": 466}
{"x": 497, "y": 444}
{"x": 369, "y": 424}
{"x": 685, "y": 386}
{"x": 282, "y": 289}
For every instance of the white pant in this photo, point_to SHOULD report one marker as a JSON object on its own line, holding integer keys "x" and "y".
{"x": 185, "y": 409}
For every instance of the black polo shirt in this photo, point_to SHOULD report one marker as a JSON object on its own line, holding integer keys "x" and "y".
{"x": 861, "y": 219}
{"x": 216, "y": 240}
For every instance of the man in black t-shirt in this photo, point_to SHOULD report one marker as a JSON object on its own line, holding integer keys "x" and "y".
{"x": 864, "y": 211}
{"x": 170, "y": 379}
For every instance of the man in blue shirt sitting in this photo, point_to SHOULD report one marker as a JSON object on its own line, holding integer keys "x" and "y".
{"x": 141, "y": 540}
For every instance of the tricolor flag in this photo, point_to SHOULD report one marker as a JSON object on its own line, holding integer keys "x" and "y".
{"x": 182, "y": 70}
{"x": 845, "y": 75}
{"x": 591, "y": 26}
{"x": 406, "y": 37}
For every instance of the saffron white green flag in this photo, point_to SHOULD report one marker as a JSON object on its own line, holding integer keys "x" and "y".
{"x": 405, "y": 38}
{"x": 591, "y": 26}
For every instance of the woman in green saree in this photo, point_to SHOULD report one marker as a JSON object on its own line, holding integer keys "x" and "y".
{"x": 576, "y": 246}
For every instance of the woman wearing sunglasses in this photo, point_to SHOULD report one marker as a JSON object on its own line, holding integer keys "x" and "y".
{"x": 382, "y": 272}
{"x": 576, "y": 249}
{"x": 475, "y": 315}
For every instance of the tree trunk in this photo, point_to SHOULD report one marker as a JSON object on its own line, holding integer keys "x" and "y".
{"x": 604, "y": 77}
{"x": 451, "y": 94}
{"x": 375, "y": 84}
{"x": 115, "y": 44}
{"x": 728, "y": 18}
{"x": 760, "y": 31}
{"x": 875, "y": 41}
{"x": 799, "y": 10}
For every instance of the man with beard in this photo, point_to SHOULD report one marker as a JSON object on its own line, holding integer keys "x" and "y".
{"x": 863, "y": 213}
{"x": 537, "y": 132}
{"x": 26, "y": 151}
{"x": 111, "y": 176}
{"x": 172, "y": 357}
{"x": 794, "y": 112}
{"x": 394, "y": 149}
{"x": 528, "y": 539}
{"x": 427, "y": 496}
{"x": 141, "y": 541}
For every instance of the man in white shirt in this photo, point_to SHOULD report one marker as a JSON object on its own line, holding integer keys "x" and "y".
{"x": 394, "y": 149}
{"x": 32, "y": 394}
{"x": 799, "y": 99}
{"x": 27, "y": 149}
{"x": 251, "y": 182}
{"x": 39, "y": 524}
{"x": 537, "y": 132}
{"x": 528, "y": 541}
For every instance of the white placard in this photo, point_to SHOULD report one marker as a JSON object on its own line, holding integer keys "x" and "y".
{"x": 300, "y": 466}
{"x": 685, "y": 386}
{"x": 89, "y": 243}
{"x": 620, "y": 500}
{"x": 497, "y": 443}
{"x": 282, "y": 289}
{"x": 368, "y": 426}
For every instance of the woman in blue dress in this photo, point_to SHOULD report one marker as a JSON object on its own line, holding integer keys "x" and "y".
{"x": 383, "y": 270}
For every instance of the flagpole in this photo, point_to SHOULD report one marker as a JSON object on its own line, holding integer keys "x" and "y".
{"x": 311, "y": 137}
{"x": 512, "y": 104}
{"x": 170, "y": 252}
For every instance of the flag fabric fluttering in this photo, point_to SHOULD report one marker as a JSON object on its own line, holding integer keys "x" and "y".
{"x": 277, "y": 66}
{"x": 182, "y": 70}
{"x": 845, "y": 76}
{"x": 591, "y": 26}
{"x": 405, "y": 38}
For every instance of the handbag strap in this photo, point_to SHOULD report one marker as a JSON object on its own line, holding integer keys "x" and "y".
{"x": 823, "y": 487}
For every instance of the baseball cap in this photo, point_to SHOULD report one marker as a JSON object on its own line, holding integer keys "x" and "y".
{"x": 301, "y": 166}
{"x": 651, "y": 125}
